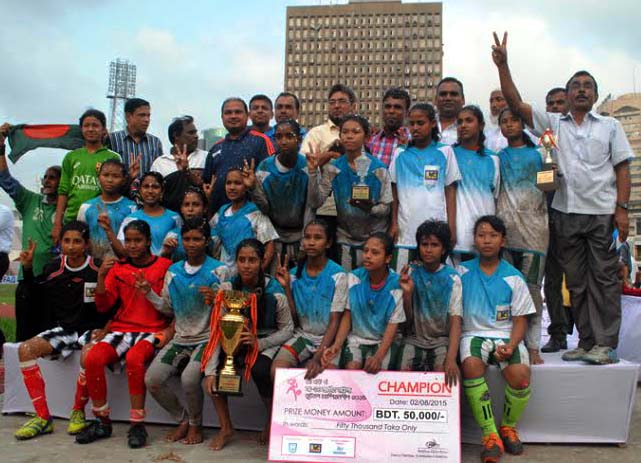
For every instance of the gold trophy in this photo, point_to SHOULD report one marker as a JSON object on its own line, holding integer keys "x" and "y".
{"x": 547, "y": 179}
{"x": 231, "y": 326}
{"x": 360, "y": 191}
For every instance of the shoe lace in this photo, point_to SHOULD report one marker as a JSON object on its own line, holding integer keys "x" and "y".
{"x": 509, "y": 433}
{"x": 491, "y": 440}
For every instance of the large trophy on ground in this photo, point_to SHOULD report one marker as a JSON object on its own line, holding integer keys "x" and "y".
{"x": 547, "y": 179}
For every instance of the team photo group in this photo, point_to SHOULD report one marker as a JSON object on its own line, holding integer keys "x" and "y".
{"x": 421, "y": 245}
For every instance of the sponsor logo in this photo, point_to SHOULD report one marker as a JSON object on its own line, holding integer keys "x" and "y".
{"x": 315, "y": 447}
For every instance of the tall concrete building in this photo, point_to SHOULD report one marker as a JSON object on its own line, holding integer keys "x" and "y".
{"x": 627, "y": 109}
{"x": 368, "y": 45}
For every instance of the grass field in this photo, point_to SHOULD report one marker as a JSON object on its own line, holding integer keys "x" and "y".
{"x": 8, "y": 325}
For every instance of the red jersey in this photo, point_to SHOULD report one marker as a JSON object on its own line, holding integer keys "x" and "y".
{"x": 135, "y": 313}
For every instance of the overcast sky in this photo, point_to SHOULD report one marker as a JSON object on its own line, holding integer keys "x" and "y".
{"x": 190, "y": 56}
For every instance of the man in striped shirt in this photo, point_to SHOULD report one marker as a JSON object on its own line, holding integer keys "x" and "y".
{"x": 137, "y": 148}
{"x": 396, "y": 103}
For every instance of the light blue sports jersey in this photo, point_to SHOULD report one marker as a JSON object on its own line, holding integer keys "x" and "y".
{"x": 187, "y": 304}
{"x": 490, "y": 302}
{"x": 160, "y": 226}
{"x": 230, "y": 228}
{"x": 521, "y": 205}
{"x": 475, "y": 194}
{"x": 354, "y": 224}
{"x": 421, "y": 176}
{"x": 372, "y": 310}
{"x": 437, "y": 296}
{"x": 316, "y": 297}
{"x": 117, "y": 211}
{"x": 286, "y": 193}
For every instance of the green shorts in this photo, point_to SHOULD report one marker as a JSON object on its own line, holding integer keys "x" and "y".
{"x": 414, "y": 358}
{"x": 175, "y": 354}
{"x": 355, "y": 352}
{"x": 484, "y": 349}
{"x": 296, "y": 350}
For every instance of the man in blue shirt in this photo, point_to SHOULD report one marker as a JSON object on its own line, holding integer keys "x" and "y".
{"x": 240, "y": 144}
{"x": 137, "y": 148}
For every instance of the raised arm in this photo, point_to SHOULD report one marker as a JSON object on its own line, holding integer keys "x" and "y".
{"x": 508, "y": 87}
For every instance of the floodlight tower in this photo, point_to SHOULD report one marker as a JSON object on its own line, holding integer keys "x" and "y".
{"x": 122, "y": 86}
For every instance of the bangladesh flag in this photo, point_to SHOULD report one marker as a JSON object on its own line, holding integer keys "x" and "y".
{"x": 23, "y": 138}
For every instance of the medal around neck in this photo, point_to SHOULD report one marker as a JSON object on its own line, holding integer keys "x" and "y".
{"x": 360, "y": 190}
{"x": 547, "y": 179}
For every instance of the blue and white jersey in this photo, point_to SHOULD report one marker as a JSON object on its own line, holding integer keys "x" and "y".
{"x": 476, "y": 193}
{"x": 229, "y": 228}
{"x": 421, "y": 176}
{"x": 286, "y": 196}
{"x": 437, "y": 296}
{"x": 182, "y": 299}
{"x": 373, "y": 309}
{"x": 160, "y": 226}
{"x": 521, "y": 205}
{"x": 317, "y": 297}
{"x": 354, "y": 224}
{"x": 117, "y": 211}
{"x": 490, "y": 301}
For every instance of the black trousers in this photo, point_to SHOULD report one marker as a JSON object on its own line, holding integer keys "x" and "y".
{"x": 589, "y": 260}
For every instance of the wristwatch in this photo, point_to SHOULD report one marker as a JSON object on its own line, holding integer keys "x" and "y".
{"x": 625, "y": 206}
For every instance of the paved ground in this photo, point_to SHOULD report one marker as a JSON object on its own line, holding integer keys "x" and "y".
{"x": 59, "y": 447}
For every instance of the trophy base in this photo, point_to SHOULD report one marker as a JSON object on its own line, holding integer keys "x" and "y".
{"x": 547, "y": 180}
{"x": 360, "y": 193}
{"x": 229, "y": 385}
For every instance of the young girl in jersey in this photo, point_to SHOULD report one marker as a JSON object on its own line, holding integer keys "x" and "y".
{"x": 374, "y": 310}
{"x": 135, "y": 329}
{"x": 192, "y": 206}
{"x": 477, "y": 191}
{"x": 281, "y": 188}
{"x": 523, "y": 208}
{"x": 496, "y": 302}
{"x": 436, "y": 309}
{"x": 317, "y": 294}
{"x": 188, "y": 293}
{"x": 67, "y": 284}
{"x": 160, "y": 220}
{"x": 238, "y": 220}
{"x": 273, "y": 327}
{"x": 79, "y": 181}
{"x": 105, "y": 213}
{"x": 424, "y": 177}
{"x": 357, "y": 219}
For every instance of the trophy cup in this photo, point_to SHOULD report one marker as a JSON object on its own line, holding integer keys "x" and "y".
{"x": 360, "y": 191}
{"x": 547, "y": 179}
{"x": 231, "y": 326}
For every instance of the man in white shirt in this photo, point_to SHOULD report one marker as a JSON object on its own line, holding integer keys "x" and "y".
{"x": 182, "y": 167}
{"x": 594, "y": 160}
{"x": 449, "y": 100}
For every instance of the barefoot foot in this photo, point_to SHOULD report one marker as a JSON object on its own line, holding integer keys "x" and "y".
{"x": 221, "y": 439}
{"x": 179, "y": 433}
{"x": 535, "y": 357}
{"x": 194, "y": 435}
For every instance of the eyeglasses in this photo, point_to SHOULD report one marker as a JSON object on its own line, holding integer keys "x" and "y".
{"x": 340, "y": 102}
{"x": 286, "y": 136}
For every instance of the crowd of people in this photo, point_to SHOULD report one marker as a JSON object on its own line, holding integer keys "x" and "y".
{"x": 420, "y": 246}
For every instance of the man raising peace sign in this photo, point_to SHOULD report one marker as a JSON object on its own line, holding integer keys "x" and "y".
{"x": 593, "y": 160}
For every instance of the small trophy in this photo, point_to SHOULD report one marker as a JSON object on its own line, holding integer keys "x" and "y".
{"x": 231, "y": 326}
{"x": 360, "y": 191}
{"x": 547, "y": 179}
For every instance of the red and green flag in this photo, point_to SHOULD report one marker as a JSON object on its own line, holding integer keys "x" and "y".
{"x": 23, "y": 138}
